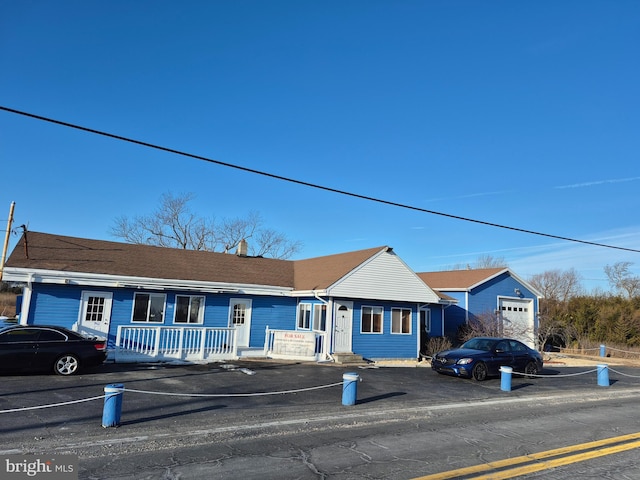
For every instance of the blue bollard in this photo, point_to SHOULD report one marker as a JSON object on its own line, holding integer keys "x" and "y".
{"x": 349, "y": 388}
{"x": 602, "y": 351}
{"x": 112, "y": 405}
{"x": 505, "y": 378}
{"x": 603, "y": 375}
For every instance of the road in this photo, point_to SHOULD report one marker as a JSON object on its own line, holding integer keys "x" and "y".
{"x": 407, "y": 423}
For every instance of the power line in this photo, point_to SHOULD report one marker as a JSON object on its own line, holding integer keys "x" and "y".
{"x": 312, "y": 185}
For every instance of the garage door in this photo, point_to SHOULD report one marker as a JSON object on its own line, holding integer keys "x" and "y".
{"x": 517, "y": 319}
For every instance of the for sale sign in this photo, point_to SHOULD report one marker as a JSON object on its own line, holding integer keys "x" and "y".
{"x": 295, "y": 344}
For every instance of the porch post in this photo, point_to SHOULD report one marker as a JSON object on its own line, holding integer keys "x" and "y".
{"x": 266, "y": 340}
{"x": 156, "y": 346}
{"x": 203, "y": 342}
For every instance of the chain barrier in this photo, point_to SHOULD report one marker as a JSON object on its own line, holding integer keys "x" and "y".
{"x": 61, "y": 404}
{"x": 212, "y": 395}
{"x": 624, "y": 374}
{"x": 537, "y": 375}
{"x": 623, "y": 351}
{"x": 221, "y": 395}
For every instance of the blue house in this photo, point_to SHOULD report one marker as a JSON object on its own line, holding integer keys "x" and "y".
{"x": 155, "y": 303}
{"x": 490, "y": 293}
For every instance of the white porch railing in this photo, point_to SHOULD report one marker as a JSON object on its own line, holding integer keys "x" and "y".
{"x": 144, "y": 344}
{"x": 311, "y": 346}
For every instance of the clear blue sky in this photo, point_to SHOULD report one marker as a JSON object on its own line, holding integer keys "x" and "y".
{"x": 525, "y": 114}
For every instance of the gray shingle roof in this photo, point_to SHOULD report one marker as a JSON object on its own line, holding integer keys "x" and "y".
{"x": 61, "y": 253}
{"x": 458, "y": 279}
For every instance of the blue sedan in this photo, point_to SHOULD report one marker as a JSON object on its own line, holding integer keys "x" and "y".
{"x": 481, "y": 357}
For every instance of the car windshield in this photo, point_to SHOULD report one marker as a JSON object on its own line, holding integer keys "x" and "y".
{"x": 479, "y": 344}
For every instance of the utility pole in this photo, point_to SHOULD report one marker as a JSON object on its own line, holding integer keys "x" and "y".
{"x": 6, "y": 238}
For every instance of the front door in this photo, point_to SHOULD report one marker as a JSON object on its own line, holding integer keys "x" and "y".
{"x": 342, "y": 330}
{"x": 95, "y": 313}
{"x": 240, "y": 318}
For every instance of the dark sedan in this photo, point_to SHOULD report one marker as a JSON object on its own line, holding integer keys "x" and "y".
{"x": 31, "y": 348}
{"x": 481, "y": 357}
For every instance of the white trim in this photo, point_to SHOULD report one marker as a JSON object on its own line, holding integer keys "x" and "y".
{"x": 200, "y": 312}
{"x": 372, "y": 307}
{"x": 246, "y": 326}
{"x": 147, "y": 321}
{"x": 391, "y": 332}
{"x": 120, "y": 281}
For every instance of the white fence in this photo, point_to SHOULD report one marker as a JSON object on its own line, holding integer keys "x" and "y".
{"x": 144, "y": 344}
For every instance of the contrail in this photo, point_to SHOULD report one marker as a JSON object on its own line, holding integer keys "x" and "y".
{"x": 599, "y": 182}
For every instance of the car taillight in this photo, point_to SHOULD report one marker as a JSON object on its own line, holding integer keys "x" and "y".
{"x": 101, "y": 346}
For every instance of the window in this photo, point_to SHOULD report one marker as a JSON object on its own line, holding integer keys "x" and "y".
{"x": 51, "y": 336}
{"x": 371, "y": 320}
{"x": 304, "y": 316}
{"x": 320, "y": 317}
{"x": 400, "y": 320}
{"x": 239, "y": 314}
{"x": 95, "y": 309}
{"x": 148, "y": 307}
{"x": 20, "y": 335}
{"x": 189, "y": 309}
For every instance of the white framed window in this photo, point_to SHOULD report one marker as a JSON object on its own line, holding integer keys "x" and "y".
{"x": 304, "y": 316}
{"x": 371, "y": 320}
{"x": 320, "y": 317}
{"x": 189, "y": 309}
{"x": 401, "y": 320}
{"x": 148, "y": 307}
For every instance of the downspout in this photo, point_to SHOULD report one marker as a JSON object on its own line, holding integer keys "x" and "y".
{"x": 466, "y": 307}
{"x": 26, "y": 301}
{"x": 419, "y": 309}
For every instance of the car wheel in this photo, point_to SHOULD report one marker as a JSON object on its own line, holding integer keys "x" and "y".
{"x": 531, "y": 369}
{"x": 479, "y": 371}
{"x": 66, "y": 365}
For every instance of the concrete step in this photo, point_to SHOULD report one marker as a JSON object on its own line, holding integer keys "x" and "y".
{"x": 348, "y": 358}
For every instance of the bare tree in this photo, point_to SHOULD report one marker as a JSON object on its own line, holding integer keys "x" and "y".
{"x": 621, "y": 278}
{"x": 483, "y": 261}
{"x": 489, "y": 261}
{"x": 557, "y": 285}
{"x": 174, "y": 225}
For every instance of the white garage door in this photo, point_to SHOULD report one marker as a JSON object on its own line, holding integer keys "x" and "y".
{"x": 517, "y": 319}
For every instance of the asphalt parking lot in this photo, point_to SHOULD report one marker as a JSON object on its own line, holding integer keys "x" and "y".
{"x": 169, "y": 398}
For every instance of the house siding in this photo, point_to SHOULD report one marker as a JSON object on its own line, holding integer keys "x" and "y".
{"x": 385, "y": 277}
{"x": 485, "y": 297}
{"x": 375, "y": 346}
{"x": 437, "y": 313}
{"x": 60, "y": 305}
{"x": 54, "y": 305}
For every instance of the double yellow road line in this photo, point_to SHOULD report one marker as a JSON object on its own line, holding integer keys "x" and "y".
{"x": 536, "y": 462}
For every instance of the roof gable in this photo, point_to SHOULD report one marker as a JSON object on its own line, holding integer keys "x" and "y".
{"x": 384, "y": 277}
{"x": 320, "y": 273}
{"x": 466, "y": 280}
